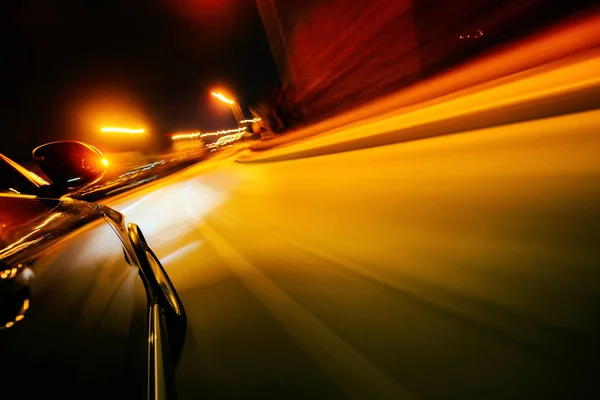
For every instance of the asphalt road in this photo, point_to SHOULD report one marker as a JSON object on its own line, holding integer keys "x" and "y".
{"x": 448, "y": 250}
{"x": 459, "y": 267}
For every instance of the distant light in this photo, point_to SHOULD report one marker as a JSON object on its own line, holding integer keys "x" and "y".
{"x": 222, "y": 98}
{"x": 218, "y": 133}
{"x": 476, "y": 35}
{"x": 224, "y": 140}
{"x": 122, "y": 130}
{"x": 105, "y": 162}
{"x": 194, "y": 135}
{"x": 180, "y": 136}
{"x": 251, "y": 121}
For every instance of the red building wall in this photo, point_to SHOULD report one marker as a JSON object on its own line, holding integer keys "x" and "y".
{"x": 337, "y": 54}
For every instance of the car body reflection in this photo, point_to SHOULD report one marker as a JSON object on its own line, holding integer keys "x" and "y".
{"x": 77, "y": 295}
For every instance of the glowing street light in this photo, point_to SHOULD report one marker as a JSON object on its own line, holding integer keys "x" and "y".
{"x": 123, "y": 130}
{"x": 235, "y": 107}
{"x": 222, "y": 98}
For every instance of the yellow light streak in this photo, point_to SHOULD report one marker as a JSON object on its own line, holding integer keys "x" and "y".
{"x": 226, "y": 140}
{"x": 180, "y": 136}
{"x": 194, "y": 135}
{"x": 122, "y": 130}
{"x": 218, "y": 133}
{"x": 250, "y": 121}
{"x": 222, "y": 98}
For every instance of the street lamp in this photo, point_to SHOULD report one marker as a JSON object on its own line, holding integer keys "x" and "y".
{"x": 234, "y": 105}
{"x": 222, "y": 98}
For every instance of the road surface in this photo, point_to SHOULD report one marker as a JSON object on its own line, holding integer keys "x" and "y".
{"x": 464, "y": 266}
{"x": 449, "y": 250}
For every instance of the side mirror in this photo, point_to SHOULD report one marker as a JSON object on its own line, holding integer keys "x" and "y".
{"x": 70, "y": 165}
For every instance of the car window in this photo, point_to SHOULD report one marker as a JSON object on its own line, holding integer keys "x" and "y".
{"x": 11, "y": 181}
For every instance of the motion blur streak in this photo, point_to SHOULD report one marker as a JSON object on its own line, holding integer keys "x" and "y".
{"x": 181, "y": 252}
{"x": 250, "y": 121}
{"x": 573, "y": 37}
{"x": 236, "y": 130}
{"x": 185, "y": 136}
{"x": 225, "y": 140}
{"x": 461, "y": 264}
{"x": 567, "y": 86}
{"x": 123, "y": 130}
{"x": 337, "y": 357}
{"x": 222, "y": 98}
{"x": 136, "y": 202}
{"x": 180, "y": 136}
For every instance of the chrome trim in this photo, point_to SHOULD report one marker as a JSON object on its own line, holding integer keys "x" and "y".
{"x": 157, "y": 388}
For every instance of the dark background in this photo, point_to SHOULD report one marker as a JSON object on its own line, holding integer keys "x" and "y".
{"x": 157, "y": 59}
{"x": 71, "y": 67}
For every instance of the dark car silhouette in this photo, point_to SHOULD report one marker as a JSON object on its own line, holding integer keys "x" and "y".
{"x": 86, "y": 308}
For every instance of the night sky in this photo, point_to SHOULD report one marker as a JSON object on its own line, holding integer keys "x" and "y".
{"x": 155, "y": 60}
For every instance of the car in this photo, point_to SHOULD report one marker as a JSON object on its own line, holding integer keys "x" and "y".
{"x": 86, "y": 308}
